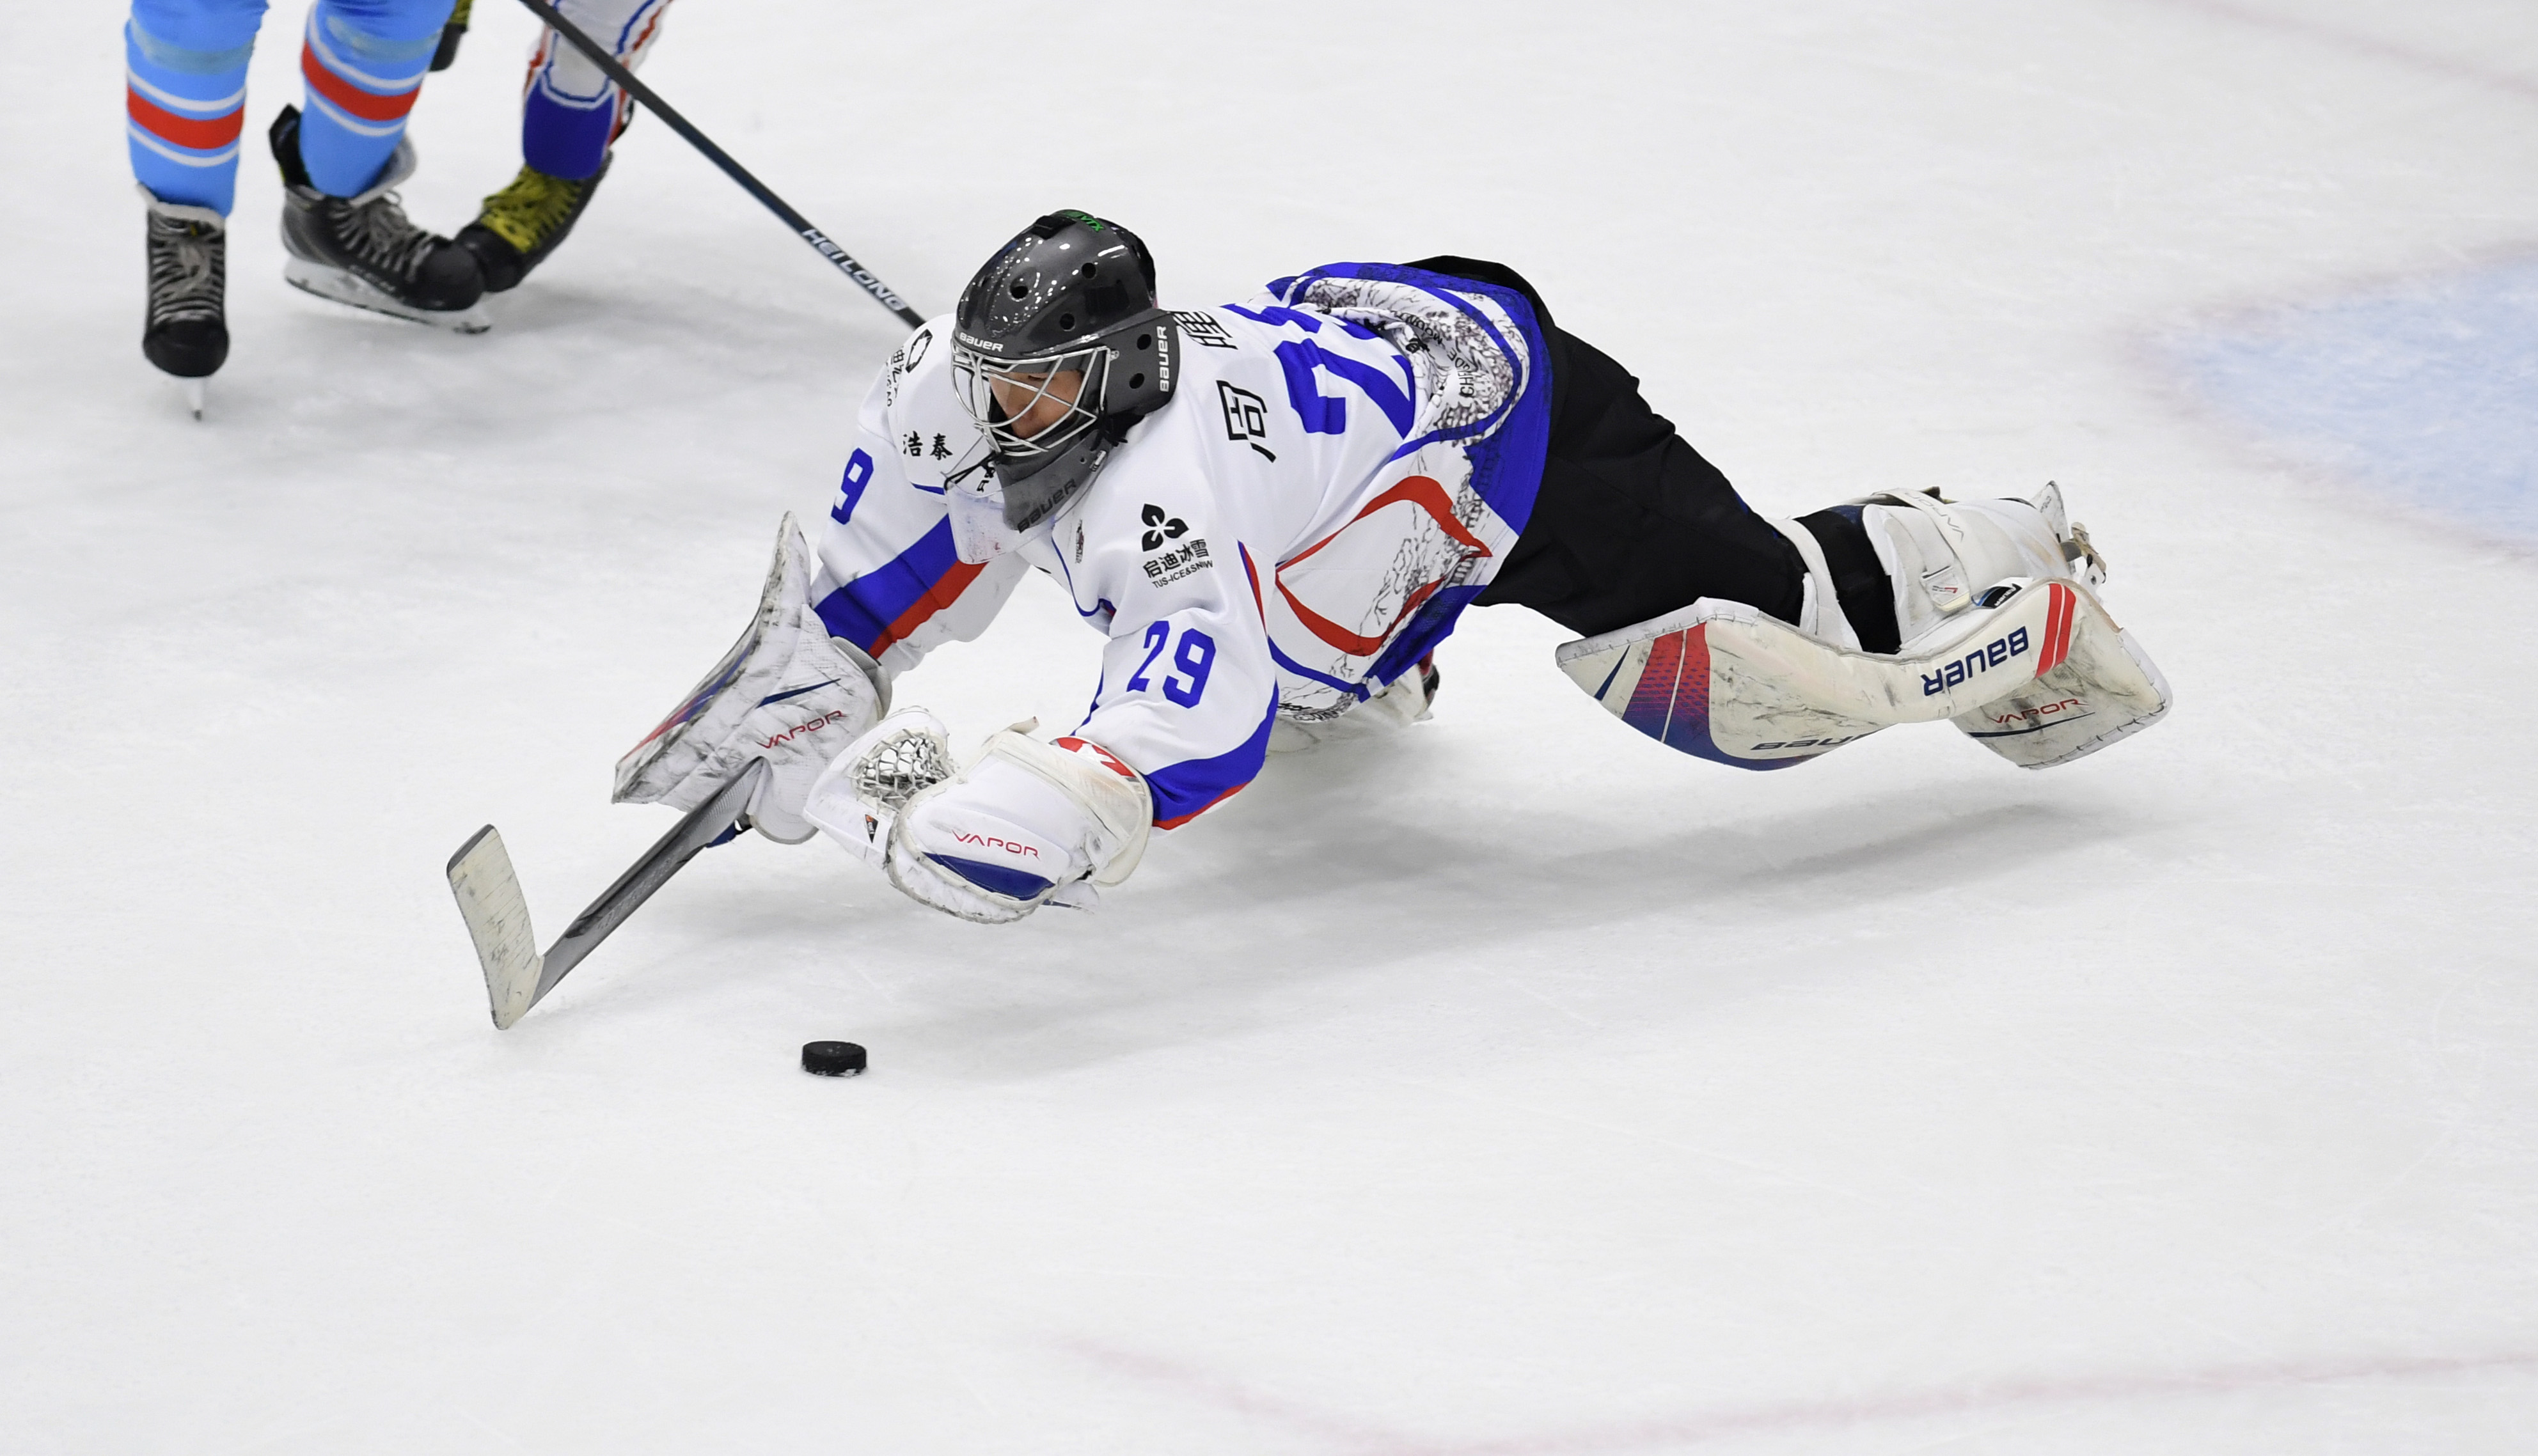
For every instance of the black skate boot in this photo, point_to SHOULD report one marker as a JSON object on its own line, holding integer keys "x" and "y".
{"x": 524, "y": 221}
{"x": 445, "y": 54}
{"x": 186, "y": 334}
{"x": 360, "y": 250}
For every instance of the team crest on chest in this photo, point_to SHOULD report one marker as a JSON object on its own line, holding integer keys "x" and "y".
{"x": 1167, "y": 561}
{"x": 1162, "y": 526}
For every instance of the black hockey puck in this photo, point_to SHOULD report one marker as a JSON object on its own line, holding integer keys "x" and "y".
{"x": 832, "y": 1058}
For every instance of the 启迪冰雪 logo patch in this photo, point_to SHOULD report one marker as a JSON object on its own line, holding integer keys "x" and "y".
{"x": 1173, "y": 561}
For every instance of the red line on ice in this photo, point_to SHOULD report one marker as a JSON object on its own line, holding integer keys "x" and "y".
{"x": 1976, "y": 1398}
{"x": 1973, "y": 1398}
{"x": 1233, "y": 1395}
{"x": 2369, "y": 45}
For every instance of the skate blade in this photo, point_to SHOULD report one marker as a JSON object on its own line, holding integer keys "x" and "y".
{"x": 194, "y": 391}
{"x": 339, "y": 287}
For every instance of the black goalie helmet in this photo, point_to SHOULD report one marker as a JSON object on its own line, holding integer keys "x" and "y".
{"x": 1059, "y": 348}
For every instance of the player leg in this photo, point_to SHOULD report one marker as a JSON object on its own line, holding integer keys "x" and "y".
{"x": 1904, "y": 564}
{"x": 452, "y": 33}
{"x": 1631, "y": 528}
{"x": 569, "y": 118}
{"x": 1630, "y": 522}
{"x": 349, "y": 240}
{"x": 185, "y": 102}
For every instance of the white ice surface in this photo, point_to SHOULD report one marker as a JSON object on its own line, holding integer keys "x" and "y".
{"x": 1514, "y": 1087}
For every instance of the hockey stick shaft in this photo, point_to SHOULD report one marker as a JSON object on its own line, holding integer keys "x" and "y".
{"x": 826, "y": 246}
{"x": 516, "y": 977}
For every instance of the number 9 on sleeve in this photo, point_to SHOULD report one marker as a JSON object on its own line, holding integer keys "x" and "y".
{"x": 1195, "y": 657}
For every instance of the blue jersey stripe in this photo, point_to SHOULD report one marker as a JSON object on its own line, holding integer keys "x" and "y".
{"x": 1434, "y": 621}
{"x": 1185, "y": 790}
{"x": 864, "y": 610}
{"x": 1279, "y": 656}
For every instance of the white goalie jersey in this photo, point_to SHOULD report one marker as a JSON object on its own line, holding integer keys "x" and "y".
{"x": 1344, "y": 464}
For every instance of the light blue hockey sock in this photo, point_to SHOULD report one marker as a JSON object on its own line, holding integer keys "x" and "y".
{"x": 186, "y": 95}
{"x": 364, "y": 61}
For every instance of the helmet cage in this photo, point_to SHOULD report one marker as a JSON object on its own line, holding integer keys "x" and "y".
{"x": 1070, "y": 298}
{"x": 975, "y": 376}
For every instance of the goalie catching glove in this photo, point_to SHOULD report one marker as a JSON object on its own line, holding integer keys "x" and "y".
{"x": 1026, "y": 823}
{"x": 786, "y": 691}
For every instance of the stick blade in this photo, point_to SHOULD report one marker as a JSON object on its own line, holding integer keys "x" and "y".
{"x": 498, "y": 921}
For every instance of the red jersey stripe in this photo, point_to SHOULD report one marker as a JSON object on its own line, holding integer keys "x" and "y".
{"x": 1252, "y": 574}
{"x": 940, "y": 595}
{"x": 1353, "y": 643}
{"x": 1179, "y": 820}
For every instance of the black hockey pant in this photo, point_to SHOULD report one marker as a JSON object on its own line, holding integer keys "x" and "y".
{"x": 1632, "y": 523}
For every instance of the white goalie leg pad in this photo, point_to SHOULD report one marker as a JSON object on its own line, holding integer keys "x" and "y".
{"x": 1724, "y": 682}
{"x": 2105, "y": 689}
{"x": 1026, "y": 823}
{"x": 786, "y": 691}
{"x": 1937, "y": 552}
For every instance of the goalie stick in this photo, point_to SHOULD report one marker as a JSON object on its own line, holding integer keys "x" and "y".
{"x": 820, "y": 241}
{"x": 516, "y": 977}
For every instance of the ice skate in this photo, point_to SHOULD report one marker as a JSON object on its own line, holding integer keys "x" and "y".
{"x": 185, "y": 333}
{"x": 454, "y": 30}
{"x": 524, "y": 221}
{"x": 1940, "y": 555}
{"x": 1391, "y": 708}
{"x": 2094, "y": 682}
{"x": 360, "y": 250}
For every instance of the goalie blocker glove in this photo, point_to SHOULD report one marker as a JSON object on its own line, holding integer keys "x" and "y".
{"x": 1026, "y": 823}
{"x": 786, "y": 693}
